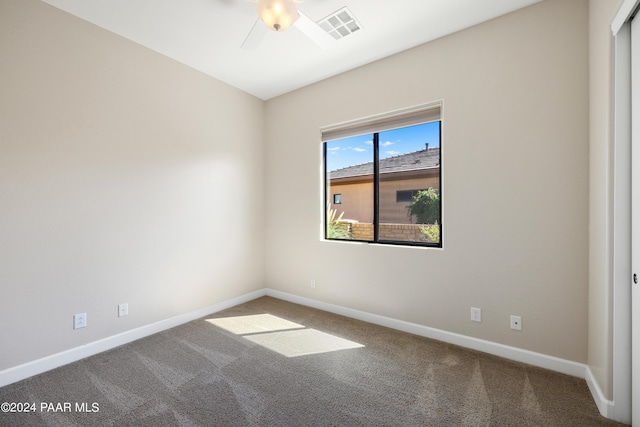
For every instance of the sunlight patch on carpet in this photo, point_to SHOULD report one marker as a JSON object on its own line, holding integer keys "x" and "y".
{"x": 283, "y": 336}
{"x": 257, "y": 323}
{"x": 302, "y": 342}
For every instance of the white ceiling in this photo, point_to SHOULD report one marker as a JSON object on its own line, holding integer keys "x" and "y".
{"x": 207, "y": 34}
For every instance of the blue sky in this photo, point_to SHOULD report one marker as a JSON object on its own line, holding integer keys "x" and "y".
{"x": 359, "y": 149}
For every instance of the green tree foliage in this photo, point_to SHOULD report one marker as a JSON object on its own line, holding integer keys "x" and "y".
{"x": 425, "y": 207}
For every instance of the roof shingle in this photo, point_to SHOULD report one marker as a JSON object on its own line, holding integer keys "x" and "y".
{"x": 417, "y": 160}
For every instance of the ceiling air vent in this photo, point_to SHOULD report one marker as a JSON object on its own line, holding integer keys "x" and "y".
{"x": 340, "y": 23}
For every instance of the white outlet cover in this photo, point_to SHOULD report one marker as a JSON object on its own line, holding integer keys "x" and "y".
{"x": 516, "y": 323}
{"x": 79, "y": 320}
{"x": 123, "y": 310}
{"x": 476, "y": 314}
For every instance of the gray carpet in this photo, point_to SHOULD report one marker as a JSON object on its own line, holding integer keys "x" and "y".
{"x": 321, "y": 370}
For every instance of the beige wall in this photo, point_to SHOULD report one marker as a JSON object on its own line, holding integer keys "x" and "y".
{"x": 601, "y": 13}
{"x": 515, "y": 93}
{"x": 117, "y": 170}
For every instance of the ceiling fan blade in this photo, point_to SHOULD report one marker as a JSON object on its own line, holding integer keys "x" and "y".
{"x": 313, "y": 31}
{"x": 254, "y": 37}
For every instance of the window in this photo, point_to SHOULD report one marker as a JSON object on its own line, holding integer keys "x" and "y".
{"x": 387, "y": 172}
{"x": 406, "y": 195}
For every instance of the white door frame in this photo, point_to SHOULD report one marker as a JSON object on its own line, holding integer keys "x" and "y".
{"x": 621, "y": 257}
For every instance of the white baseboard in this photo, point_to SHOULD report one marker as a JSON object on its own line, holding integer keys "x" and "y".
{"x": 580, "y": 370}
{"x": 512, "y": 353}
{"x": 605, "y": 406}
{"x": 17, "y": 373}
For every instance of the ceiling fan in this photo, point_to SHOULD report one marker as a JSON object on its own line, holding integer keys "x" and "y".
{"x": 279, "y": 15}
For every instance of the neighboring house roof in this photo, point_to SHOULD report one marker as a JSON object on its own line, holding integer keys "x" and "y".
{"x": 417, "y": 160}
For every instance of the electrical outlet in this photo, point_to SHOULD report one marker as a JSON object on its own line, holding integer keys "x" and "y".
{"x": 476, "y": 314}
{"x": 313, "y": 283}
{"x": 516, "y": 323}
{"x": 123, "y": 309}
{"x": 79, "y": 320}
